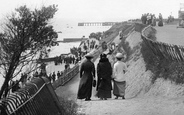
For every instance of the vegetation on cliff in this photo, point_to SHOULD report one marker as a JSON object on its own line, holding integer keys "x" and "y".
{"x": 160, "y": 66}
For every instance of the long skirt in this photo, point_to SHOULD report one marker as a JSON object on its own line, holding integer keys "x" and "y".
{"x": 85, "y": 87}
{"x": 103, "y": 93}
{"x": 119, "y": 88}
{"x": 104, "y": 88}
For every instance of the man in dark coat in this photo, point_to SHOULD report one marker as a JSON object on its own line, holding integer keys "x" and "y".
{"x": 104, "y": 72}
{"x": 87, "y": 73}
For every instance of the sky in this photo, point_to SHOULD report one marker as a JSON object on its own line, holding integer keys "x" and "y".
{"x": 98, "y": 10}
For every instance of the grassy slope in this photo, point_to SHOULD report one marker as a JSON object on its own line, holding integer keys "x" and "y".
{"x": 148, "y": 74}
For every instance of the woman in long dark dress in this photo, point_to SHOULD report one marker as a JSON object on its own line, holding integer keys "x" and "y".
{"x": 87, "y": 73}
{"x": 104, "y": 72}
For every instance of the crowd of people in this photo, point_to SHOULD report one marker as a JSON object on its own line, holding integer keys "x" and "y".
{"x": 54, "y": 76}
{"x": 67, "y": 59}
{"x": 89, "y": 44}
{"x": 150, "y": 19}
{"x": 17, "y": 84}
{"x": 105, "y": 75}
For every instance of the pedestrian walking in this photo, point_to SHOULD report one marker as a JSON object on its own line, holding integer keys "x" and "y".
{"x": 50, "y": 77}
{"x": 119, "y": 70}
{"x": 87, "y": 74}
{"x": 104, "y": 72}
{"x": 53, "y": 76}
{"x": 58, "y": 75}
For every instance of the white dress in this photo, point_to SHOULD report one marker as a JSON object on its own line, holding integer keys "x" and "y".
{"x": 119, "y": 78}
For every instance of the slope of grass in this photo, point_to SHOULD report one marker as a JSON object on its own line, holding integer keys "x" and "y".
{"x": 161, "y": 67}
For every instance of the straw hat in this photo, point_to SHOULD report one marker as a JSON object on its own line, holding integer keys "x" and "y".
{"x": 89, "y": 55}
{"x": 119, "y": 55}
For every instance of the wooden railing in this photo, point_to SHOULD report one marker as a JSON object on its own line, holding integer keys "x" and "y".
{"x": 163, "y": 50}
{"x": 36, "y": 98}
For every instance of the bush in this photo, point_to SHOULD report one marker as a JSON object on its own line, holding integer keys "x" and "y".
{"x": 126, "y": 48}
{"x": 69, "y": 106}
{"x": 162, "y": 67}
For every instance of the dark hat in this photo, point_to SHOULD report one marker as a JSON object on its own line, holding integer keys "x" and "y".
{"x": 103, "y": 55}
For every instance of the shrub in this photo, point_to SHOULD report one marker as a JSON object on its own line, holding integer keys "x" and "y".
{"x": 160, "y": 66}
{"x": 69, "y": 106}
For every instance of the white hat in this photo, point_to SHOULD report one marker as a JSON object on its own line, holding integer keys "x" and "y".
{"x": 119, "y": 55}
{"x": 89, "y": 55}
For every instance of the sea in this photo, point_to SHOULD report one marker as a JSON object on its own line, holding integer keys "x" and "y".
{"x": 68, "y": 30}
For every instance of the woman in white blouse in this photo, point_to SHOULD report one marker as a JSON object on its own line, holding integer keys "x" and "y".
{"x": 119, "y": 70}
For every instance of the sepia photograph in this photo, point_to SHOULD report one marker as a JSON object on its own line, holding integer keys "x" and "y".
{"x": 91, "y": 57}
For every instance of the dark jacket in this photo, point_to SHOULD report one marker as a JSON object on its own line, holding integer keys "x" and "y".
{"x": 87, "y": 73}
{"x": 104, "y": 72}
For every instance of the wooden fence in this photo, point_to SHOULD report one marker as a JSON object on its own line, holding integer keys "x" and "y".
{"x": 163, "y": 50}
{"x": 36, "y": 98}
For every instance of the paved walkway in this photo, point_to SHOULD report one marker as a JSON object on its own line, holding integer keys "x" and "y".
{"x": 129, "y": 106}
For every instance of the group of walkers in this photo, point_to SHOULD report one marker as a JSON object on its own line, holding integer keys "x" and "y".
{"x": 88, "y": 45}
{"x": 54, "y": 76}
{"x": 105, "y": 75}
{"x": 150, "y": 19}
{"x": 66, "y": 59}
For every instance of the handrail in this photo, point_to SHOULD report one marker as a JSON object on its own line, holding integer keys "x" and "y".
{"x": 43, "y": 101}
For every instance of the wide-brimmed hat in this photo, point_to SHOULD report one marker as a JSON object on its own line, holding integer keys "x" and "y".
{"x": 119, "y": 55}
{"x": 89, "y": 56}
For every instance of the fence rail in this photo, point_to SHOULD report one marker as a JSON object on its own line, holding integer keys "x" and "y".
{"x": 163, "y": 50}
{"x": 36, "y": 98}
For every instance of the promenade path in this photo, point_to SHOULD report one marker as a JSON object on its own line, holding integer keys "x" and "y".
{"x": 147, "y": 105}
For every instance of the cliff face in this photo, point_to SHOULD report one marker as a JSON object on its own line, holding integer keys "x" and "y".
{"x": 140, "y": 79}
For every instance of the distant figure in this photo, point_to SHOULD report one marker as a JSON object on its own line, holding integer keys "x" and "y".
{"x": 104, "y": 72}
{"x": 67, "y": 66}
{"x": 119, "y": 70}
{"x": 148, "y": 19}
{"x": 58, "y": 74}
{"x": 87, "y": 73}
{"x": 153, "y": 20}
{"x": 160, "y": 22}
{"x": 53, "y": 76}
{"x": 61, "y": 73}
{"x": 50, "y": 77}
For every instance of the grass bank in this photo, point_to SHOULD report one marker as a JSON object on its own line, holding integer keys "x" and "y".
{"x": 162, "y": 67}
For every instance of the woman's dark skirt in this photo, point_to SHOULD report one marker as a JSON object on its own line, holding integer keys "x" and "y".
{"x": 103, "y": 93}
